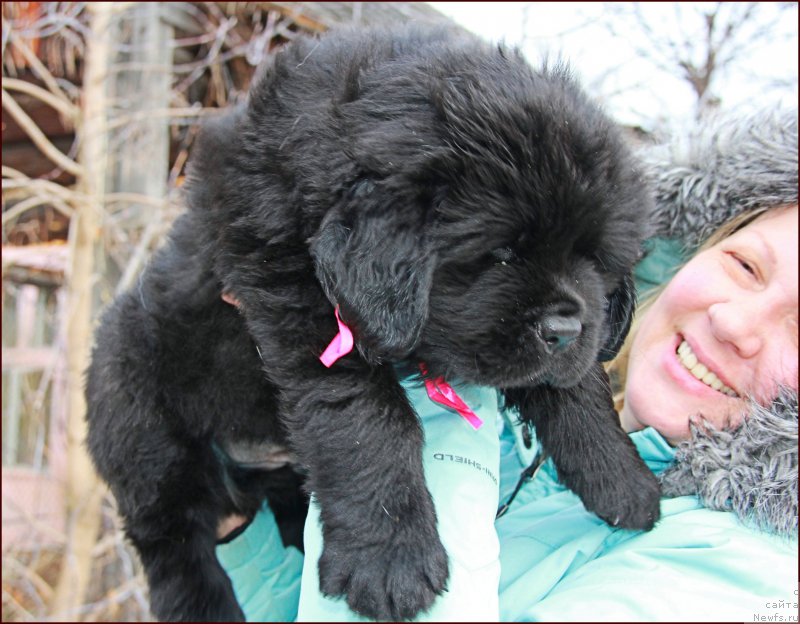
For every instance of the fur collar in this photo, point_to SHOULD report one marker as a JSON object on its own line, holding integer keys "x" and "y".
{"x": 727, "y": 166}
{"x": 751, "y": 471}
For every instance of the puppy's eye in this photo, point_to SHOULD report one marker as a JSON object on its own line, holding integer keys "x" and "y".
{"x": 503, "y": 255}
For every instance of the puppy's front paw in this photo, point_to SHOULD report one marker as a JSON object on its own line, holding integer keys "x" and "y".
{"x": 629, "y": 499}
{"x": 386, "y": 580}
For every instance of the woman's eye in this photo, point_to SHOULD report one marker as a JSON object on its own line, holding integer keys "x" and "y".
{"x": 747, "y": 266}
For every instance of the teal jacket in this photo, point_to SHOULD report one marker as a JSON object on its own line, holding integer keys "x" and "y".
{"x": 547, "y": 558}
{"x": 562, "y": 563}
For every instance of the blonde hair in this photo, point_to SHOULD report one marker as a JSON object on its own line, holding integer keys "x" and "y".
{"x": 618, "y": 367}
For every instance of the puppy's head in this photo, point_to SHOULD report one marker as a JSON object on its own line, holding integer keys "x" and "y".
{"x": 492, "y": 228}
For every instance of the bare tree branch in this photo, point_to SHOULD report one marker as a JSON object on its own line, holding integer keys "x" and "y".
{"x": 38, "y": 137}
{"x": 705, "y": 42}
{"x": 37, "y": 66}
{"x": 33, "y": 202}
{"x": 37, "y": 581}
{"x": 68, "y": 110}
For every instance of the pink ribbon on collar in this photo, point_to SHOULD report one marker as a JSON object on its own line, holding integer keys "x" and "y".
{"x": 341, "y": 345}
{"x": 439, "y": 391}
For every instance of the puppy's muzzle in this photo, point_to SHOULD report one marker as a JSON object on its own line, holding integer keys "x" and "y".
{"x": 556, "y": 331}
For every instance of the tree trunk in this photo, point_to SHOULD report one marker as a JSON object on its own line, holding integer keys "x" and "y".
{"x": 84, "y": 491}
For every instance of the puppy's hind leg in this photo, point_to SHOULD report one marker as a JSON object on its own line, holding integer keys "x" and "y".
{"x": 171, "y": 497}
{"x": 186, "y": 581}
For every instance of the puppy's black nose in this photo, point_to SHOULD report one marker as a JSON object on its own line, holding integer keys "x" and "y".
{"x": 557, "y": 331}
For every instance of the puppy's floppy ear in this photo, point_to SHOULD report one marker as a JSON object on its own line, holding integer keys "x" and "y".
{"x": 619, "y": 313}
{"x": 375, "y": 261}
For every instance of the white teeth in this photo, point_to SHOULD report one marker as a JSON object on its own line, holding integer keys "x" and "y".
{"x": 700, "y": 370}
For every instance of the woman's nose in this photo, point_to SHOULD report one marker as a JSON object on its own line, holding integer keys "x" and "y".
{"x": 738, "y": 326}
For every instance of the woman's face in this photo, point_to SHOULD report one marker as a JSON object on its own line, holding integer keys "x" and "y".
{"x": 724, "y": 328}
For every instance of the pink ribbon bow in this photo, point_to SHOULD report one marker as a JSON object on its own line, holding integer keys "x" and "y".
{"x": 441, "y": 392}
{"x": 438, "y": 389}
{"x": 341, "y": 345}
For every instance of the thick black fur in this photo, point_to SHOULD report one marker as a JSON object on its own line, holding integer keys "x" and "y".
{"x": 461, "y": 209}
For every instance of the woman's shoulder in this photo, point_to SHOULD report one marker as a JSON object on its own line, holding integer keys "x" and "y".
{"x": 576, "y": 566}
{"x": 717, "y": 563}
{"x": 696, "y": 564}
{"x": 687, "y": 524}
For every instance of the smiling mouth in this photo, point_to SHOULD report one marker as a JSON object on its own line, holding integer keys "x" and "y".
{"x": 700, "y": 371}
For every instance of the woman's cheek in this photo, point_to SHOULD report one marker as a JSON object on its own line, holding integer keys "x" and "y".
{"x": 690, "y": 289}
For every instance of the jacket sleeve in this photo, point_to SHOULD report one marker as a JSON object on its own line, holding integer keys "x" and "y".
{"x": 462, "y": 473}
{"x": 265, "y": 574}
{"x": 697, "y": 565}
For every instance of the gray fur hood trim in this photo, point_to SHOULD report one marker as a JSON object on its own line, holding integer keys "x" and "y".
{"x": 725, "y": 166}
{"x": 751, "y": 471}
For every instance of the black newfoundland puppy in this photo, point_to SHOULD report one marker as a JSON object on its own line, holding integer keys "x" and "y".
{"x": 460, "y": 209}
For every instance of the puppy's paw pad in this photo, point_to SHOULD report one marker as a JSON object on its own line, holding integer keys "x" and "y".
{"x": 386, "y": 582}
